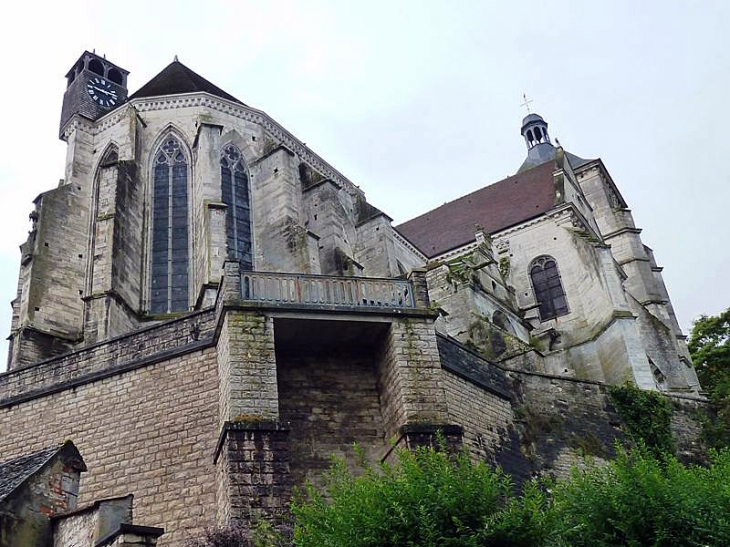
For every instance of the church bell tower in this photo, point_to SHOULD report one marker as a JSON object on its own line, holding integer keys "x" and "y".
{"x": 95, "y": 87}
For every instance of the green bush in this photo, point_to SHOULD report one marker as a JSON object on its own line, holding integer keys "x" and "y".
{"x": 640, "y": 500}
{"x": 431, "y": 499}
{"x": 427, "y": 499}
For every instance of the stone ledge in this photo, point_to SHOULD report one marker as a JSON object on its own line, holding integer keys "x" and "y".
{"x": 388, "y": 311}
{"x": 431, "y": 429}
{"x": 105, "y": 372}
{"x": 254, "y": 425}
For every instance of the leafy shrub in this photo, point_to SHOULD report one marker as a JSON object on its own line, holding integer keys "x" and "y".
{"x": 427, "y": 498}
{"x": 641, "y": 500}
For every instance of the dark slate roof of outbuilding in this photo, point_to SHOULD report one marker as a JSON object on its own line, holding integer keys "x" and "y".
{"x": 462, "y": 361}
{"x": 176, "y": 78}
{"x": 495, "y": 207}
{"x": 14, "y": 472}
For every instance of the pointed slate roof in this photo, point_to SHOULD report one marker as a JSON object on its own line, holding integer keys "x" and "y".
{"x": 176, "y": 78}
{"x": 14, "y": 472}
{"x": 495, "y": 207}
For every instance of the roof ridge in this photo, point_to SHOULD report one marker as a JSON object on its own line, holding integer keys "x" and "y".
{"x": 477, "y": 191}
{"x": 178, "y": 78}
{"x": 495, "y": 207}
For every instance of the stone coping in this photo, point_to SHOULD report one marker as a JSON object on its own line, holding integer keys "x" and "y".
{"x": 133, "y": 529}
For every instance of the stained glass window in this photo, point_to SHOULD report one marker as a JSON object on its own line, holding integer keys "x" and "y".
{"x": 235, "y": 194}
{"x": 548, "y": 288}
{"x": 169, "y": 264}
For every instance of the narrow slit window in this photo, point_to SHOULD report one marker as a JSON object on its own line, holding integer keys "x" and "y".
{"x": 235, "y": 194}
{"x": 169, "y": 263}
{"x": 548, "y": 288}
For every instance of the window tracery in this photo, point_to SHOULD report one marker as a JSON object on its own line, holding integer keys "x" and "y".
{"x": 170, "y": 260}
{"x": 235, "y": 194}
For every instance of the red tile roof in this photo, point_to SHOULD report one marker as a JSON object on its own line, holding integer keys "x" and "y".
{"x": 495, "y": 207}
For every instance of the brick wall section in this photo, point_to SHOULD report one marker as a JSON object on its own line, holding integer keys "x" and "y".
{"x": 330, "y": 398}
{"x": 151, "y": 432}
{"x": 410, "y": 376}
{"x": 125, "y": 350}
{"x": 485, "y": 417}
{"x": 253, "y": 471}
{"x": 247, "y": 367}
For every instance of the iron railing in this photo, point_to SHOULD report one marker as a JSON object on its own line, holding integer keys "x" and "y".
{"x": 324, "y": 290}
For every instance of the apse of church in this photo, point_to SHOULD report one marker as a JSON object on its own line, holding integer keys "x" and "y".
{"x": 203, "y": 294}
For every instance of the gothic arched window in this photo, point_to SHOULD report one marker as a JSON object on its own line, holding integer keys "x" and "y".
{"x": 235, "y": 194}
{"x": 169, "y": 263}
{"x": 549, "y": 291}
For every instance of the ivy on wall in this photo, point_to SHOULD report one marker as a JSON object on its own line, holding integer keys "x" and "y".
{"x": 646, "y": 416}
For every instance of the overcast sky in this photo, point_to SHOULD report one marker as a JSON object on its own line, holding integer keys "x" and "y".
{"x": 418, "y": 102}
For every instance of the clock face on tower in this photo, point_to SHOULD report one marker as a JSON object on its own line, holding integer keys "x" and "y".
{"x": 102, "y": 91}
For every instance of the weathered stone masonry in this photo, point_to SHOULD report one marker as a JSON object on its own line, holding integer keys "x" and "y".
{"x": 212, "y": 407}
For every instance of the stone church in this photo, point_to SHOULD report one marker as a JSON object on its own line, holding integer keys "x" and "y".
{"x": 209, "y": 310}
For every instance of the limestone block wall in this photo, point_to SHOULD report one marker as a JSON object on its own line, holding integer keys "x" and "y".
{"x": 330, "y": 217}
{"x": 331, "y": 400}
{"x": 53, "y": 275}
{"x": 375, "y": 248}
{"x": 580, "y": 268}
{"x": 487, "y": 418}
{"x": 247, "y": 367}
{"x": 475, "y": 316}
{"x": 607, "y": 203}
{"x": 206, "y": 191}
{"x": 593, "y": 291}
{"x": 406, "y": 253}
{"x": 129, "y": 235}
{"x": 91, "y": 524}
{"x": 89, "y": 363}
{"x": 410, "y": 376}
{"x": 533, "y": 423}
{"x": 151, "y": 431}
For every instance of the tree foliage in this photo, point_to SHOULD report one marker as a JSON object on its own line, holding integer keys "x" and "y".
{"x": 709, "y": 345}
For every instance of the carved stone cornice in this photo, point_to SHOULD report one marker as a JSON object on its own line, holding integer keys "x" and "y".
{"x": 408, "y": 245}
{"x": 205, "y": 100}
